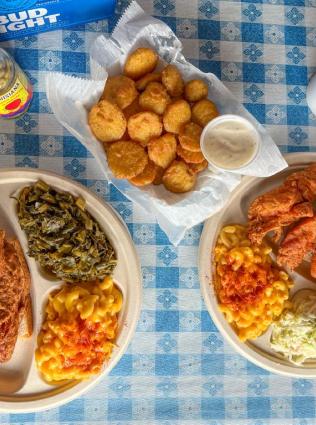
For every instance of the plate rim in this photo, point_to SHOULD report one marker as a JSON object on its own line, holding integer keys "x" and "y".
{"x": 208, "y": 291}
{"x": 61, "y": 398}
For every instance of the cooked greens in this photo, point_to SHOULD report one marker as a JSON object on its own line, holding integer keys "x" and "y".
{"x": 62, "y": 236}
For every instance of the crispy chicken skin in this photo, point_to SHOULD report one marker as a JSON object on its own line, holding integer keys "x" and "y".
{"x": 258, "y": 229}
{"x": 313, "y": 265}
{"x": 283, "y": 206}
{"x": 306, "y": 182}
{"x": 298, "y": 242}
{"x": 277, "y": 201}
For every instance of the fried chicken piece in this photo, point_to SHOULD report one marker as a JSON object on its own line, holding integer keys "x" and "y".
{"x": 298, "y": 242}
{"x": 259, "y": 228}
{"x": 275, "y": 202}
{"x": 313, "y": 265}
{"x": 306, "y": 182}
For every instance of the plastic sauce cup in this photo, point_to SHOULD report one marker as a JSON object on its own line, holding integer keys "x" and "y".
{"x": 256, "y": 138}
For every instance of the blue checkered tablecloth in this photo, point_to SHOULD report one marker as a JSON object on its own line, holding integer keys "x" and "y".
{"x": 178, "y": 369}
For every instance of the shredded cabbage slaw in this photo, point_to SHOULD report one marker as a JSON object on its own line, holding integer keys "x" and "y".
{"x": 294, "y": 334}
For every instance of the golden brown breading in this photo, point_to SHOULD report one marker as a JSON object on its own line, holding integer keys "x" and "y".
{"x": 195, "y": 90}
{"x": 142, "y": 83}
{"x": 162, "y": 150}
{"x": 147, "y": 176}
{"x": 140, "y": 62}
{"x": 189, "y": 137}
{"x": 144, "y": 126}
{"x": 120, "y": 90}
{"x": 203, "y": 112}
{"x": 172, "y": 80}
{"x": 126, "y": 159}
{"x": 107, "y": 121}
{"x": 190, "y": 157}
{"x": 178, "y": 178}
{"x": 155, "y": 98}
{"x": 197, "y": 168}
{"x": 177, "y": 114}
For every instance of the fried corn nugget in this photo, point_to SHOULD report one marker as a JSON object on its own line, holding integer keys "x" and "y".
{"x": 195, "y": 90}
{"x": 155, "y": 98}
{"x": 197, "y": 168}
{"x": 142, "y": 83}
{"x": 177, "y": 114}
{"x": 162, "y": 150}
{"x": 126, "y": 159}
{"x": 143, "y": 126}
{"x": 107, "y": 121}
{"x": 132, "y": 109}
{"x": 159, "y": 173}
{"x": 203, "y": 112}
{"x": 172, "y": 80}
{"x": 147, "y": 176}
{"x": 190, "y": 157}
{"x": 120, "y": 90}
{"x": 140, "y": 62}
{"x": 178, "y": 178}
{"x": 189, "y": 137}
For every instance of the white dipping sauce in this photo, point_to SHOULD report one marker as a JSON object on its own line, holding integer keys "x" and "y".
{"x": 230, "y": 144}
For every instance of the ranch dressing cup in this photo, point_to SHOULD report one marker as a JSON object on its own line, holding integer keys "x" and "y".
{"x": 15, "y": 88}
{"x": 229, "y": 143}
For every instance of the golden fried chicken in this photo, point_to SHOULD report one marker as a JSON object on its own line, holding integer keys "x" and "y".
{"x": 313, "y": 265}
{"x": 276, "y": 201}
{"x": 299, "y": 241}
{"x": 259, "y": 228}
{"x": 306, "y": 182}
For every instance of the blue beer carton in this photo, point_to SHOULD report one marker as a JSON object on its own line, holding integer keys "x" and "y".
{"x": 19, "y": 18}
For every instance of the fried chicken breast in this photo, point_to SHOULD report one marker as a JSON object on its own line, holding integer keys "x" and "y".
{"x": 297, "y": 243}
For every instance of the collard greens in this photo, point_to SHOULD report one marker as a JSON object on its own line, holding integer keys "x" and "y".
{"x": 62, "y": 236}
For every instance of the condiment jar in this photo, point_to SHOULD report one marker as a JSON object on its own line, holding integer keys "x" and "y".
{"x": 15, "y": 88}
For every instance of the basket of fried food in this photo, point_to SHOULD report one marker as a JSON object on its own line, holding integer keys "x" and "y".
{"x": 150, "y": 123}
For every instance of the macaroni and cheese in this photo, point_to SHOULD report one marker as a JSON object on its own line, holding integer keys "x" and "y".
{"x": 252, "y": 292}
{"x": 79, "y": 330}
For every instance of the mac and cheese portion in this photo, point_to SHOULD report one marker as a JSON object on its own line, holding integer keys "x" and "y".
{"x": 251, "y": 290}
{"x": 79, "y": 330}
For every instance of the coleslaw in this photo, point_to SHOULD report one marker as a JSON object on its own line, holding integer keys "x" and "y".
{"x": 294, "y": 334}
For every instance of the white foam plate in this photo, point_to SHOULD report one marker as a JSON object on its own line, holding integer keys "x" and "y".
{"x": 235, "y": 211}
{"x": 21, "y": 387}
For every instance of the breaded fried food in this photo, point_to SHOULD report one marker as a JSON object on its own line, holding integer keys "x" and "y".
{"x": 162, "y": 150}
{"x": 107, "y": 121}
{"x": 132, "y": 109}
{"x": 144, "y": 126}
{"x": 190, "y": 157}
{"x": 155, "y": 98}
{"x": 178, "y": 178}
{"x": 203, "y": 112}
{"x": 195, "y": 90}
{"x": 120, "y": 90}
{"x": 147, "y": 176}
{"x": 140, "y": 62}
{"x": 177, "y": 114}
{"x": 159, "y": 173}
{"x": 142, "y": 83}
{"x": 126, "y": 159}
{"x": 172, "y": 80}
{"x": 197, "y": 168}
{"x": 189, "y": 137}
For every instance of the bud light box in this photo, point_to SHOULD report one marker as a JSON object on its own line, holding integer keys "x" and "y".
{"x": 19, "y": 18}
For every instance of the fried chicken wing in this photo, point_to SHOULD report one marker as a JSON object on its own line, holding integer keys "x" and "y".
{"x": 259, "y": 228}
{"x": 298, "y": 242}
{"x": 306, "y": 182}
{"x": 277, "y": 201}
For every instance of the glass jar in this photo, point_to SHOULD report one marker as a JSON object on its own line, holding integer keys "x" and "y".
{"x": 15, "y": 88}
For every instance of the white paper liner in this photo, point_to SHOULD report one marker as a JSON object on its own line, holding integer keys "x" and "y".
{"x": 71, "y": 98}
